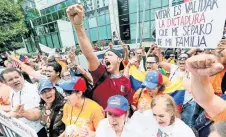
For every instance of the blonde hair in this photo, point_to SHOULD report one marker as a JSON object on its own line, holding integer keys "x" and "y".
{"x": 170, "y": 104}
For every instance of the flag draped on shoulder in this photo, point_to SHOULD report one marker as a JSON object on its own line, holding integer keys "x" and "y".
{"x": 136, "y": 77}
{"x": 174, "y": 89}
{"x": 177, "y": 91}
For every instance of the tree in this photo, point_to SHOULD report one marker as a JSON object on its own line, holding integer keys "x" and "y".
{"x": 12, "y": 26}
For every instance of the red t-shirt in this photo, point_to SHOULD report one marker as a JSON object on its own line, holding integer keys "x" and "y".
{"x": 110, "y": 87}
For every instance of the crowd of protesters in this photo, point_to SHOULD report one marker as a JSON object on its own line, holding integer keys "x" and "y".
{"x": 56, "y": 97}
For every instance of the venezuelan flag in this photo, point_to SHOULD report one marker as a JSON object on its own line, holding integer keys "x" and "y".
{"x": 177, "y": 91}
{"x": 136, "y": 77}
{"x": 23, "y": 58}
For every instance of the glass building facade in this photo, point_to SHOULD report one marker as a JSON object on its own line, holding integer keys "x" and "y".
{"x": 97, "y": 21}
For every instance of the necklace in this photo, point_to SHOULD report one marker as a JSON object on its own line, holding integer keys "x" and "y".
{"x": 79, "y": 112}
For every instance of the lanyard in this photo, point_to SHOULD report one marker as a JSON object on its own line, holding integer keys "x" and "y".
{"x": 78, "y": 114}
{"x": 12, "y": 99}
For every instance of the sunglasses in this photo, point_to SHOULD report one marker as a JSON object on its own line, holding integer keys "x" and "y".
{"x": 182, "y": 58}
{"x": 151, "y": 63}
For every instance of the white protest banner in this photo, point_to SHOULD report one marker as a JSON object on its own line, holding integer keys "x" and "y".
{"x": 198, "y": 23}
{"x": 16, "y": 126}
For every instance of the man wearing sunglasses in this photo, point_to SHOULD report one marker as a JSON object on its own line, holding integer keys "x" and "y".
{"x": 171, "y": 59}
{"x": 177, "y": 73}
{"x": 152, "y": 63}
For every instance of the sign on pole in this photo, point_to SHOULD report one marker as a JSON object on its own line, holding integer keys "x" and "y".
{"x": 198, "y": 23}
{"x": 12, "y": 127}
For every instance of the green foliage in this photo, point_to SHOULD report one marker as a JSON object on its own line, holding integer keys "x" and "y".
{"x": 12, "y": 23}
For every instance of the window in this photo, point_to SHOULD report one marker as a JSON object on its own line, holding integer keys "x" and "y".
{"x": 55, "y": 16}
{"x": 74, "y": 1}
{"x": 48, "y": 10}
{"x": 107, "y": 19}
{"x": 49, "y": 17}
{"x": 109, "y": 32}
{"x": 46, "y": 28}
{"x": 43, "y": 40}
{"x": 165, "y": 3}
{"x": 52, "y": 27}
{"x": 93, "y": 33}
{"x": 92, "y": 22}
{"x": 63, "y": 5}
{"x": 156, "y": 3}
{"x": 44, "y": 20}
{"x": 56, "y": 40}
{"x": 133, "y": 18}
{"x": 146, "y": 30}
{"x": 133, "y": 6}
{"x": 146, "y": 17}
{"x": 101, "y": 20}
{"x": 103, "y": 33}
{"x": 133, "y": 31}
{"x": 61, "y": 14}
{"x": 52, "y": 9}
{"x": 69, "y": 3}
{"x": 85, "y": 23}
{"x": 49, "y": 41}
{"x": 43, "y": 12}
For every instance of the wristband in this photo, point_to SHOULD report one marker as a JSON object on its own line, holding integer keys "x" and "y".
{"x": 78, "y": 25}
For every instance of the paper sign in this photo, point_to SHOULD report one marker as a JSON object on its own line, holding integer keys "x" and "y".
{"x": 16, "y": 126}
{"x": 196, "y": 23}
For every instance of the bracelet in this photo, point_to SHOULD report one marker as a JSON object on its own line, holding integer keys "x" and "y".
{"x": 78, "y": 25}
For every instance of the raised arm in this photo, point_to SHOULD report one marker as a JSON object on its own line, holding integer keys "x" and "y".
{"x": 162, "y": 63}
{"x": 192, "y": 51}
{"x": 126, "y": 51}
{"x": 75, "y": 14}
{"x": 201, "y": 88}
{"x": 86, "y": 74}
{"x": 25, "y": 68}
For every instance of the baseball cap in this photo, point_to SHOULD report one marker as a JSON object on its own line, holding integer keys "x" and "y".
{"x": 119, "y": 54}
{"x": 44, "y": 84}
{"x": 153, "y": 79}
{"x": 117, "y": 105}
{"x": 75, "y": 83}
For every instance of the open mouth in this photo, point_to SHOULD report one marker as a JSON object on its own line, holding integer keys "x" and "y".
{"x": 161, "y": 123}
{"x": 17, "y": 84}
{"x": 108, "y": 64}
{"x": 182, "y": 64}
{"x": 49, "y": 98}
{"x": 114, "y": 125}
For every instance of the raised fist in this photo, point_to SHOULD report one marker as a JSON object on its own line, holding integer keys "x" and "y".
{"x": 75, "y": 13}
{"x": 204, "y": 65}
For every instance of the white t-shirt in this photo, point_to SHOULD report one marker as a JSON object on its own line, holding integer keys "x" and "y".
{"x": 177, "y": 129}
{"x": 176, "y": 73}
{"x": 29, "y": 97}
{"x": 130, "y": 129}
{"x": 151, "y": 128}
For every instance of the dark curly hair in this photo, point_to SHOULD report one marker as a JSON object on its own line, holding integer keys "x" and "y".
{"x": 57, "y": 103}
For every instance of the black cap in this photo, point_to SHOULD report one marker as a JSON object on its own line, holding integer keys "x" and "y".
{"x": 120, "y": 55}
